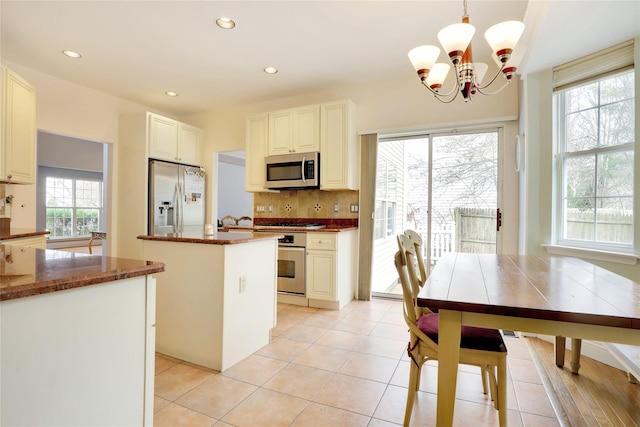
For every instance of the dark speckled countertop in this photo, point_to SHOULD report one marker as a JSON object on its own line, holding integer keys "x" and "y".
{"x": 26, "y": 271}
{"x": 219, "y": 238}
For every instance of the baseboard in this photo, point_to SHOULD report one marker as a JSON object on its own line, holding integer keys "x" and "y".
{"x": 285, "y": 298}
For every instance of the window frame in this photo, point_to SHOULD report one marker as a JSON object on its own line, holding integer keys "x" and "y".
{"x": 564, "y": 245}
{"x": 387, "y": 203}
{"x": 45, "y": 172}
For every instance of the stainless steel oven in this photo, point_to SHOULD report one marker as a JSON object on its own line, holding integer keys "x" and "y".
{"x": 291, "y": 263}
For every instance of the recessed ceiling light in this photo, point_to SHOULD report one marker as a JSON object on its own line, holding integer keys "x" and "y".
{"x": 171, "y": 93}
{"x": 271, "y": 70}
{"x": 71, "y": 54}
{"x": 226, "y": 23}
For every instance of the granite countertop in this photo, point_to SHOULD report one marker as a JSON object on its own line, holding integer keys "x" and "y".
{"x": 18, "y": 233}
{"x": 219, "y": 238}
{"x": 27, "y": 271}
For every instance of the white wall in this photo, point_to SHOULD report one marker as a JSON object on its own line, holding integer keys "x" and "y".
{"x": 393, "y": 105}
{"x": 67, "y": 108}
{"x": 536, "y": 208}
{"x": 65, "y": 152}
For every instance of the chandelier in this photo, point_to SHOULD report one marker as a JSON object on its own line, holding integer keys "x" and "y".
{"x": 456, "y": 41}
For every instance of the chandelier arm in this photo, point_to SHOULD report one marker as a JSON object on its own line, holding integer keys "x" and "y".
{"x": 442, "y": 98}
{"x": 492, "y": 80}
{"x": 442, "y": 95}
{"x": 493, "y": 93}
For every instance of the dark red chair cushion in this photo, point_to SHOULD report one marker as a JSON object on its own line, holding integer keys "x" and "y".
{"x": 471, "y": 336}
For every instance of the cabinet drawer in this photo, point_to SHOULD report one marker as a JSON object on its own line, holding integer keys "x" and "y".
{"x": 323, "y": 241}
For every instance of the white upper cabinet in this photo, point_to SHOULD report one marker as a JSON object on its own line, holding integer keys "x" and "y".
{"x": 295, "y": 130}
{"x": 174, "y": 141}
{"x": 189, "y": 144}
{"x": 18, "y": 139}
{"x": 255, "y": 149}
{"x": 339, "y": 154}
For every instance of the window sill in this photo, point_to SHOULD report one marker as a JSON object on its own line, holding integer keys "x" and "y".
{"x": 617, "y": 257}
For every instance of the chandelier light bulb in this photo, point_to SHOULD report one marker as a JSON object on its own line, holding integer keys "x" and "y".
{"x": 437, "y": 75}
{"x": 503, "y": 37}
{"x": 479, "y": 71}
{"x": 455, "y": 39}
{"x": 422, "y": 58}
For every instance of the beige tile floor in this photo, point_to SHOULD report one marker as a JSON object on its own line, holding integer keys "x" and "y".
{"x": 337, "y": 368}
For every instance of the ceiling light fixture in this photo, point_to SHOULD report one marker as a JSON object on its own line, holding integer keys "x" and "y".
{"x": 271, "y": 70}
{"x": 456, "y": 41}
{"x": 225, "y": 23}
{"x": 71, "y": 54}
{"x": 171, "y": 93}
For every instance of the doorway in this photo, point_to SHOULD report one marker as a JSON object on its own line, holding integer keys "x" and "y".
{"x": 72, "y": 188}
{"x": 445, "y": 187}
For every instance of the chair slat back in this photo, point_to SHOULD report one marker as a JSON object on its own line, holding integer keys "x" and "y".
{"x": 408, "y": 274}
{"x": 410, "y": 315}
{"x": 415, "y": 238}
{"x": 408, "y": 251}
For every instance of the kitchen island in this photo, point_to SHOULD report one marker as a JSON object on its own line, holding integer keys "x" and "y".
{"x": 216, "y": 301}
{"x": 77, "y": 338}
{"x": 24, "y": 237}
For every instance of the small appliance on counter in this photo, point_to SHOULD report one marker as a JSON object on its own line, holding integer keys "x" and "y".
{"x": 176, "y": 198}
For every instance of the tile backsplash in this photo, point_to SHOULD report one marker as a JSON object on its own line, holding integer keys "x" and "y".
{"x": 306, "y": 204}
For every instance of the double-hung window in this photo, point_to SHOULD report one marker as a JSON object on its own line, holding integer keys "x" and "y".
{"x": 594, "y": 104}
{"x": 73, "y": 203}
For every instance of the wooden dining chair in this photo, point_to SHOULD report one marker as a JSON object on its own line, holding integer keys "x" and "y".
{"x": 229, "y": 220}
{"x": 480, "y": 347}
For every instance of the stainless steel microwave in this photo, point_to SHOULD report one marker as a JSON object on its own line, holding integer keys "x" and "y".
{"x": 293, "y": 171}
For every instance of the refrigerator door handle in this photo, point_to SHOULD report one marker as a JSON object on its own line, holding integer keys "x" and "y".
{"x": 181, "y": 204}
{"x": 176, "y": 208}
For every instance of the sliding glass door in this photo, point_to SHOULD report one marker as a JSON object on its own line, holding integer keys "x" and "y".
{"x": 445, "y": 187}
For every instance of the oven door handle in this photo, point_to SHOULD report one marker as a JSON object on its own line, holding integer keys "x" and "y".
{"x": 292, "y": 248}
{"x": 304, "y": 178}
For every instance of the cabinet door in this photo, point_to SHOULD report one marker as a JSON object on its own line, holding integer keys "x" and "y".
{"x": 339, "y": 160}
{"x": 306, "y": 129}
{"x": 150, "y": 351}
{"x": 19, "y": 122}
{"x": 189, "y": 143}
{"x": 255, "y": 149}
{"x": 321, "y": 275}
{"x": 280, "y": 132}
{"x": 163, "y": 138}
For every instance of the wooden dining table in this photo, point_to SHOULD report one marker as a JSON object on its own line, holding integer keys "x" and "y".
{"x": 557, "y": 296}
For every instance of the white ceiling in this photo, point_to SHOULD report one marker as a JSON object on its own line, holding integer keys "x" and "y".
{"x": 137, "y": 50}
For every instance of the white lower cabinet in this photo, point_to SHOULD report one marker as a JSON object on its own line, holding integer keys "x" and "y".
{"x": 331, "y": 269}
{"x": 80, "y": 357}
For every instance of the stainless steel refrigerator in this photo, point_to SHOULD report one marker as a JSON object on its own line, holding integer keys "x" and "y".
{"x": 176, "y": 198}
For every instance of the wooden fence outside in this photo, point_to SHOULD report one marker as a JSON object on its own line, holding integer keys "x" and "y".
{"x": 474, "y": 230}
{"x": 613, "y": 226}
